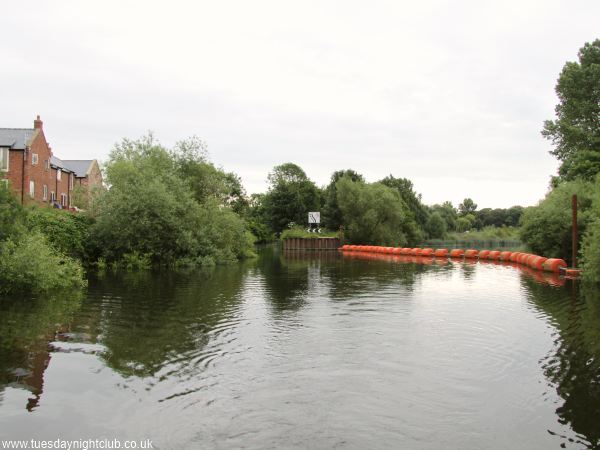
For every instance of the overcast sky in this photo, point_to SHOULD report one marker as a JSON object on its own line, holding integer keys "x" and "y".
{"x": 450, "y": 94}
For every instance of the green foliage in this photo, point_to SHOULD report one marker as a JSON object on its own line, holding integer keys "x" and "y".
{"x": 162, "y": 205}
{"x": 436, "y": 226}
{"x": 12, "y": 216}
{"x": 447, "y": 211}
{"x": 68, "y": 233}
{"x": 546, "y": 228}
{"x": 375, "y": 214}
{"x": 591, "y": 252}
{"x": 575, "y": 133}
{"x": 290, "y": 198}
{"x": 29, "y": 263}
{"x": 299, "y": 232}
{"x": 332, "y": 215}
{"x": 468, "y": 206}
{"x": 405, "y": 188}
{"x": 499, "y": 217}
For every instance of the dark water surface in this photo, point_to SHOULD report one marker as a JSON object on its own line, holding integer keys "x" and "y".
{"x": 296, "y": 351}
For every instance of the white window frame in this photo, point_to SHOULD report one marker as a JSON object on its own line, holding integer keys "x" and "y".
{"x": 46, "y": 164}
{"x": 53, "y": 197}
{"x": 32, "y": 188}
{"x": 71, "y": 178}
{"x": 34, "y": 159}
{"x": 45, "y": 195}
{"x": 63, "y": 200}
{"x": 4, "y": 151}
{"x": 58, "y": 174}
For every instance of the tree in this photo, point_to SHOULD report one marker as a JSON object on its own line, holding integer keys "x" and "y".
{"x": 157, "y": 207}
{"x": 468, "y": 206}
{"x": 413, "y": 200}
{"x": 436, "y": 226}
{"x": 291, "y": 196}
{"x": 332, "y": 215}
{"x": 375, "y": 214}
{"x": 575, "y": 133}
{"x": 546, "y": 228}
{"x": 448, "y": 213}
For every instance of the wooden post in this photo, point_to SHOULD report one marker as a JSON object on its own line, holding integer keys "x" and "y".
{"x": 575, "y": 231}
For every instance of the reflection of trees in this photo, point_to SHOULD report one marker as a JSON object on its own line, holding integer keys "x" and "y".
{"x": 26, "y": 328}
{"x": 146, "y": 319}
{"x": 575, "y": 367}
{"x": 289, "y": 276}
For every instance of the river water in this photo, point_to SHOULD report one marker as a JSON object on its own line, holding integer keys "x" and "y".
{"x": 308, "y": 351}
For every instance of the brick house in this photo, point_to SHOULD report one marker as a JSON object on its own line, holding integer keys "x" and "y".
{"x": 28, "y": 165}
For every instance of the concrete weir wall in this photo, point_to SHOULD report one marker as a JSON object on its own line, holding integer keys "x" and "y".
{"x": 311, "y": 243}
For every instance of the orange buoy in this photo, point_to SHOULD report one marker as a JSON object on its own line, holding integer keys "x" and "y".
{"x": 483, "y": 254}
{"x": 457, "y": 253}
{"x": 415, "y": 251}
{"x": 471, "y": 253}
{"x": 406, "y": 251}
{"x": 536, "y": 262}
{"x": 522, "y": 257}
{"x": 440, "y": 253}
{"x": 427, "y": 252}
{"x": 514, "y": 256}
{"x": 554, "y": 265}
{"x": 505, "y": 256}
{"x": 397, "y": 250}
{"x": 494, "y": 255}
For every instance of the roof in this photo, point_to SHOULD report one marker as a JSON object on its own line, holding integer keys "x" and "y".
{"x": 16, "y": 138}
{"x": 59, "y": 163}
{"x": 80, "y": 167}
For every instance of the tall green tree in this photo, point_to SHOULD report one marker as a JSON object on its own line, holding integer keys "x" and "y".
{"x": 332, "y": 215}
{"x": 291, "y": 196}
{"x": 413, "y": 200}
{"x": 448, "y": 213}
{"x": 575, "y": 133}
{"x": 375, "y": 214}
{"x": 468, "y": 206}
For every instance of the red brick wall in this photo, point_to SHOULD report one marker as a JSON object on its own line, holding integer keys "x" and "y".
{"x": 15, "y": 168}
{"x": 38, "y": 172}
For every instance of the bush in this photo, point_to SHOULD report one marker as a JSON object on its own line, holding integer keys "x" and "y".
{"x": 299, "y": 232}
{"x": 547, "y": 229}
{"x": 29, "y": 263}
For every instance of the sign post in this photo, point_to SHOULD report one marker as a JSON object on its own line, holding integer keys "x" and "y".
{"x": 314, "y": 220}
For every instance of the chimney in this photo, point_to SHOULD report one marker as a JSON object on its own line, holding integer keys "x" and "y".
{"x": 38, "y": 124}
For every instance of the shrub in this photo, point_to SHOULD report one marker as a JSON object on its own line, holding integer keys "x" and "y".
{"x": 29, "y": 263}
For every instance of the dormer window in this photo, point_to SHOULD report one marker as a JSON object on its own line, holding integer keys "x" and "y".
{"x": 34, "y": 159}
{"x": 58, "y": 174}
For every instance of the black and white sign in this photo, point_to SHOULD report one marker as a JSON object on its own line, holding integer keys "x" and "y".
{"x": 314, "y": 217}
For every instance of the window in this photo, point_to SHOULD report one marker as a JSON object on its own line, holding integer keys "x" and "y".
{"x": 46, "y": 164}
{"x": 34, "y": 159}
{"x": 71, "y": 177}
{"x": 45, "y": 192}
{"x": 53, "y": 196}
{"x": 58, "y": 174}
{"x": 63, "y": 199}
{"x": 4, "y": 152}
{"x": 32, "y": 188}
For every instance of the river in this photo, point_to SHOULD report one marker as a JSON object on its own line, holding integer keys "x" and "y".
{"x": 308, "y": 351}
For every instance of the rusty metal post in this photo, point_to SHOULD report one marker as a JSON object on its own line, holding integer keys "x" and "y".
{"x": 575, "y": 230}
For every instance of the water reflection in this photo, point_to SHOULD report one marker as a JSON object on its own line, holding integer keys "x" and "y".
{"x": 573, "y": 366}
{"x": 27, "y": 326}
